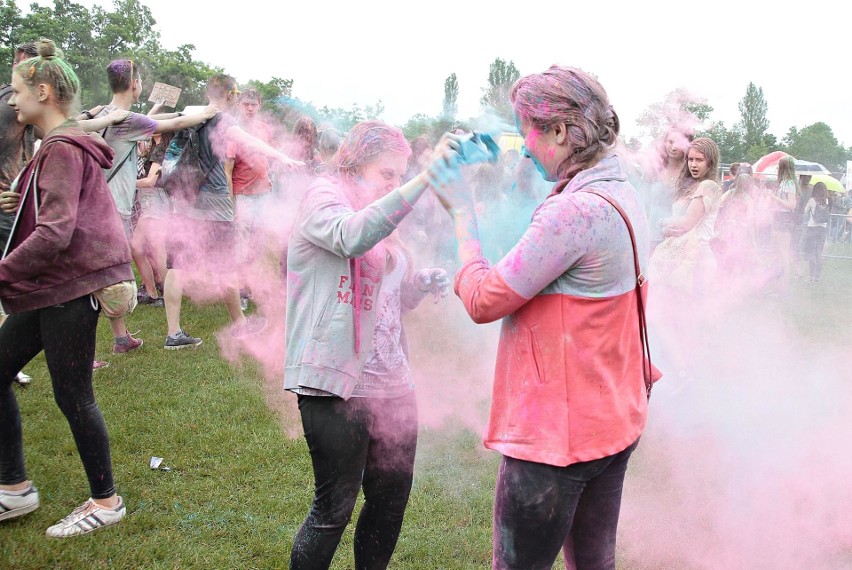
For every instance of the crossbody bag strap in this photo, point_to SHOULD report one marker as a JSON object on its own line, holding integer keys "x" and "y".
{"x": 115, "y": 169}
{"x": 32, "y": 184}
{"x": 647, "y": 367}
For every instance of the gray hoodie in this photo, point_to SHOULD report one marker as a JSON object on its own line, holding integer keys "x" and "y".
{"x": 331, "y": 290}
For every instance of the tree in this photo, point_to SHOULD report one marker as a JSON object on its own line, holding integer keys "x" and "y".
{"x": 418, "y": 125}
{"x": 176, "y": 67}
{"x": 817, "y": 143}
{"x": 272, "y": 94}
{"x": 729, "y": 141}
{"x": 679, "y": 108}
{"x": 344, "y": 119}
{"x": 10, "y": 21}
{"x": 501, "y": 76}
{"x": 432, "y": 127}
{"x": 451, "y": 96}
{"x": 754, "y": 125}
{"x": 90, "y": 38}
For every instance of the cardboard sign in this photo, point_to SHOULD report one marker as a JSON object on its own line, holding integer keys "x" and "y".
{"x": 167, "y": 93}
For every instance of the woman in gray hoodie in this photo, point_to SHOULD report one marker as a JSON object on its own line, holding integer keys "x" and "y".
{"x": 349, "y": 280}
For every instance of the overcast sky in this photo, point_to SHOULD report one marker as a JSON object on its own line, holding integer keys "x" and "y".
{"x": 343, "y": 52}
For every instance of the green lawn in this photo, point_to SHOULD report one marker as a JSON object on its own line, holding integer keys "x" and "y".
{"x": 240, "y": 480}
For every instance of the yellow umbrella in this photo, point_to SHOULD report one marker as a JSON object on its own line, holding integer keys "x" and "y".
{"x": 832, "y": 184}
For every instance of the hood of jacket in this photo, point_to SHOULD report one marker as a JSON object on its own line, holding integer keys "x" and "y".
{"x": 610, "y": 167}
{"x": 92, "y": 143}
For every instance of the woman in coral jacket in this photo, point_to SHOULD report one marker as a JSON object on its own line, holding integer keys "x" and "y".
{"x": 572, "y": 379}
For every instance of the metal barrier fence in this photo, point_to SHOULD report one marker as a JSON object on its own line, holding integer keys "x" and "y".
{"x": 838, "y": 245}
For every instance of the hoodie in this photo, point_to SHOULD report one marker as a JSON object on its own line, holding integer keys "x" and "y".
{"x": 335, "y": 272}
{"x": 68, "y": 239}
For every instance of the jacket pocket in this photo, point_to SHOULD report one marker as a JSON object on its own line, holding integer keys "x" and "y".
{"x": 322, "y": 325}
{"x": 536, "y": 357}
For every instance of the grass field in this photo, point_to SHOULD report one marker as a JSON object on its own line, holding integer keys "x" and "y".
{"x": 240, "y": 480}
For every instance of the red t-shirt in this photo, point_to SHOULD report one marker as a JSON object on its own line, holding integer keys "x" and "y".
{"x": 251, "y": 169}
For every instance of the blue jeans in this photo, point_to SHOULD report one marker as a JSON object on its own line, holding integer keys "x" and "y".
{"x": 540, "y": 509}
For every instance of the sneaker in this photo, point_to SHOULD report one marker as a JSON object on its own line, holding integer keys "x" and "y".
{"x": 147, "y": 299}
{"x": 126, "y": 344}
{"x": 98, "y": 364}
{"x": 181, "y": 340}
{"x": 253, "y": 325}
{"x": 244, "y": 303}
{"x": 141, "y": 294}
{"x": 87, "y": 518}
{"x": 23, "y": 378}
{"x": 15, "y": 504}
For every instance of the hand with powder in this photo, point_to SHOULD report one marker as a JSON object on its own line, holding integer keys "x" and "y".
{"x": 432, "y": 280}
{"x": 117, "y": 116}
{"x": 444, "y": 176}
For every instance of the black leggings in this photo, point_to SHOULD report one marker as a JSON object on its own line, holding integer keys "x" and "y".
{"x": 66, "y": 333}
{"x": 358, "y": 443}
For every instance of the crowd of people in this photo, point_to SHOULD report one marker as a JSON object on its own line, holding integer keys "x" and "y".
{"x": 356, "y": 229}
{"x": 753, "y": 232}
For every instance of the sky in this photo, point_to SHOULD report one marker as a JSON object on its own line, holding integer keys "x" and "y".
{"x": 341, "y": 52}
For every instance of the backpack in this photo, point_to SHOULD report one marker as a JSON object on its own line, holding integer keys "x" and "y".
{"x": 820, "y": 214}
{"x": 183, "y": 172}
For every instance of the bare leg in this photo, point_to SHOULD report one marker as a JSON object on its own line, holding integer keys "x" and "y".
{"x": 173, "y": 297}
{"x": 231, "y": 295}
{"x": 137, "y": 248}
{"x": 118, "y": 326}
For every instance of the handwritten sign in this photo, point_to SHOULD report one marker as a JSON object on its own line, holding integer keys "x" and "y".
{"x": 167, "y": 93}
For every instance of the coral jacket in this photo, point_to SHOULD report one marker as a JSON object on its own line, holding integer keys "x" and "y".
{"x": 569, "y": 384}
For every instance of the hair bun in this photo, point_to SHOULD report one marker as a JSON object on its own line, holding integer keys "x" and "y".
{"x": 48, "y": 49}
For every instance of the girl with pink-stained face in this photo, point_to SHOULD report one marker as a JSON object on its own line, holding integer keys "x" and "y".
{"x": 564, "y": 418}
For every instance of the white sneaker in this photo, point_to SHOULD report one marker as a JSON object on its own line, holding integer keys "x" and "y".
{"x": 23, "y": 378}
{"x": 86, "y": 518}
{"x": 18, "y": 503}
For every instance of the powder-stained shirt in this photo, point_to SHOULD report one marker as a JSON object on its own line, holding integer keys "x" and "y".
{"x": 214, "y": 200}
{"x": 123, "y": 138}
{"x": 251, "y": 168}
{"x": 386, "y": 373}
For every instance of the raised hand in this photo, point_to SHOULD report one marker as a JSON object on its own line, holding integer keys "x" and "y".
{"x": 433, "y": 280}
{"x": 443, "y": 175}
